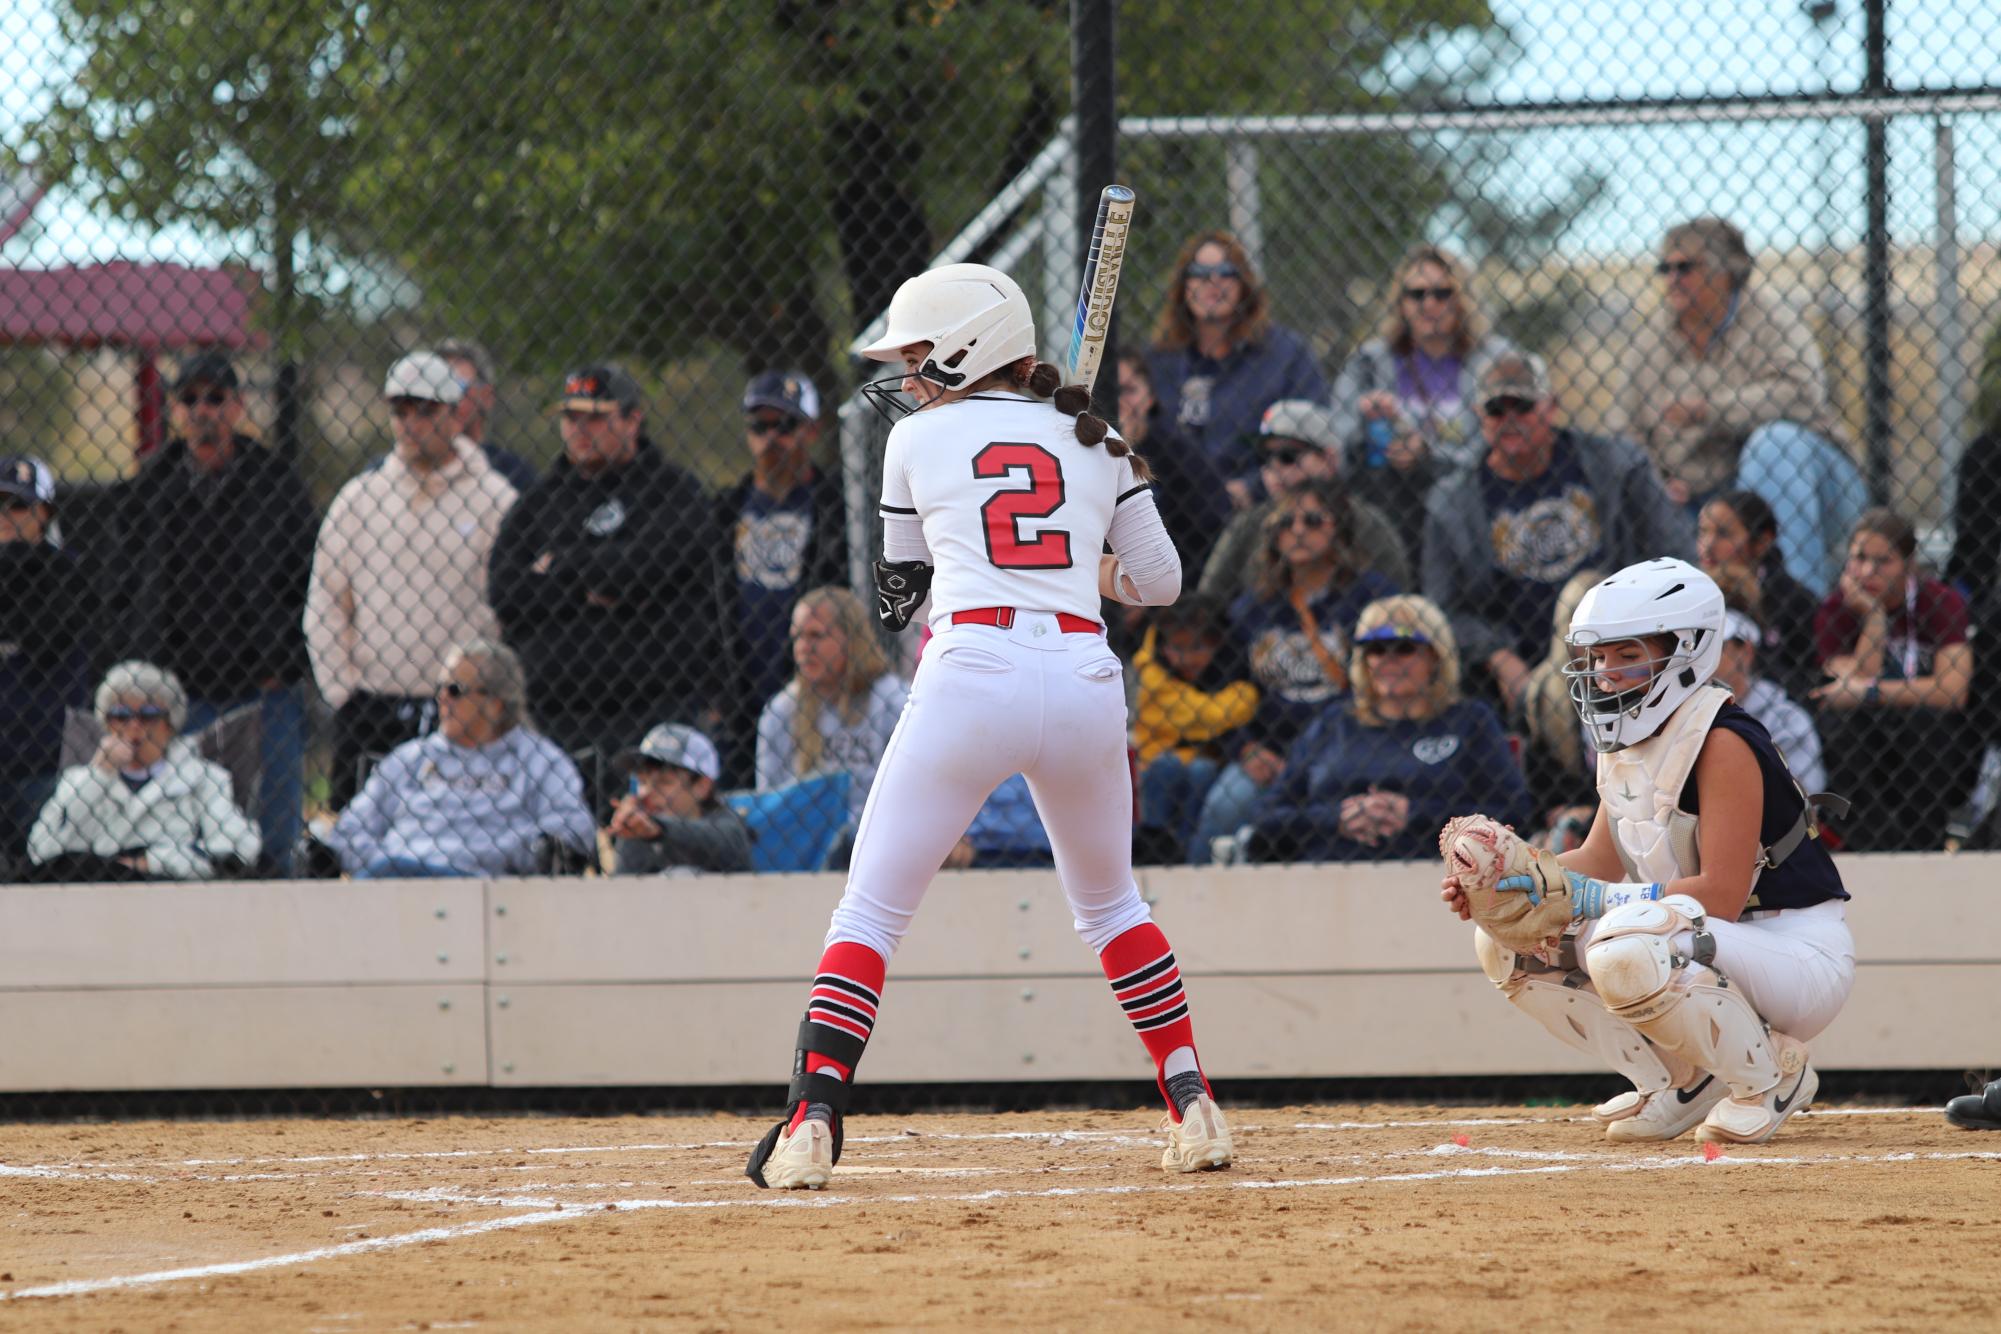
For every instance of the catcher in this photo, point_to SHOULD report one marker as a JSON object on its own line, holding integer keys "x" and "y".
{"x": 1698, "y": 937}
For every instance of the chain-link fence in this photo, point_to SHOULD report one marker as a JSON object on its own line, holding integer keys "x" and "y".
{"x": 432, "y": 444}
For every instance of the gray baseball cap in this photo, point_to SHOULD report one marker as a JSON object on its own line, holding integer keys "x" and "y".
{"x": 1303, "y": 420}
{"x": 677, "y": 744}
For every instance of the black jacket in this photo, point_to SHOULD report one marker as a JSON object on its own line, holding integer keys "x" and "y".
{"x": 211, "y": 579}
{"x": 44, "y": 656}
{"x": 642, "y": 537}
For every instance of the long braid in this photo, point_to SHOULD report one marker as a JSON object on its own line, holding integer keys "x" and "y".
{"x": 1074, "y": 400}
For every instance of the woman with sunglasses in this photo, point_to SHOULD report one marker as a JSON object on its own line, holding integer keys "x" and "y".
{"x": 1218, "y": 361}
{"x": 1374, "y": 779}
{"x": 485, "y": 794}
{"x": 1405, "y": 403}
{"x": 147, "y": 806}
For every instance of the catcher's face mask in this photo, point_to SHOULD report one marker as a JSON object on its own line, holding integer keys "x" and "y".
{"x": 1614, "y": 682}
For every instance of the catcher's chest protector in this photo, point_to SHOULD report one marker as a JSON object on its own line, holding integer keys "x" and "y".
{"x": 1641, "y": 787}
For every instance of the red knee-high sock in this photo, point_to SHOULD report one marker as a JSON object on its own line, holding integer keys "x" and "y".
{"x": 847, "y": 988}
{"x": 1146, "y": 981}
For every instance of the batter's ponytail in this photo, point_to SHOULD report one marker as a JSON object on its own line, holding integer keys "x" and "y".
{"x": 1074, "y": 400}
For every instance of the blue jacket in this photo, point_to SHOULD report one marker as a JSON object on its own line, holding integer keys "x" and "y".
{"x": 1454, "y": 764}
{"x": 1218, "y": 404}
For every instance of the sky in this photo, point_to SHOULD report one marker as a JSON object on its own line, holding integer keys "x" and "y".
{"x": 1786, "y": 183}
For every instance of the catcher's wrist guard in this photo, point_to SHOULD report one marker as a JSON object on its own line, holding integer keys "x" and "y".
{"x": 900, "y": 589}
{"x": 1590, "y": 897}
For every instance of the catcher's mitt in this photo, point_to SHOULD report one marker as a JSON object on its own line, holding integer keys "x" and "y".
{"x": 1518, "y": 893}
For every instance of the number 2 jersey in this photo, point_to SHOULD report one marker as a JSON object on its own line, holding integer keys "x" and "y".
{"x": 1014, "y": 511}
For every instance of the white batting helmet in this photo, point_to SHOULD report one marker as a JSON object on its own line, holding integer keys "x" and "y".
{"x": 975, "y": 318}
{"x": 1655, "y": 597}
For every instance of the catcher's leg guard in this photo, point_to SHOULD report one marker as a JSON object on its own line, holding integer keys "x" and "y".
{"x": 1650, "y": 961}
{"x": 1561, "y": 1003}
{"x": 804, "y": 1158}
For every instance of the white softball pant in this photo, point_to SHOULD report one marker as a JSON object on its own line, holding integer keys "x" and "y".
{"x": 987, "y": 703}
{"x": 1796, "y": 967}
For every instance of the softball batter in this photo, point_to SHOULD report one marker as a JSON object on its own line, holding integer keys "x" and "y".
{"x": 998, "y": 505}
{"x": 1710, "y": 920}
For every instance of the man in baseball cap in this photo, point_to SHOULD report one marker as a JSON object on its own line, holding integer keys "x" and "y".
{"x": 673, "y": 819}
{"x": 423, "y": 396}
{"x": 44, "y": 661}
{"x": 1299, "y": 443}
{"x": 786, "y": 526}
{"x": 598, "y": 388}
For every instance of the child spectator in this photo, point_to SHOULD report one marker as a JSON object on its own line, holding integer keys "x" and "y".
{"x": 673, "y": 820}
{"x": 1193, "y": 696}
{"x": 1791, "y": 725}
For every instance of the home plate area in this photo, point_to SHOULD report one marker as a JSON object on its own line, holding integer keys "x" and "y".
{"x": 1390, "y": 1217}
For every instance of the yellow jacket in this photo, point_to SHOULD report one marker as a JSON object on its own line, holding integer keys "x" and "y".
{"x": 1176, "y": 715}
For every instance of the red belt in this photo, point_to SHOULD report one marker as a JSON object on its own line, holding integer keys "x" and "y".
{"x": 1004, "y": 617}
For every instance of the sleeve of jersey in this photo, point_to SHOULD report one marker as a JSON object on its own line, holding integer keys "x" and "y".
{"x": 1145, "y": 552}
{"x": 902, "y": 530}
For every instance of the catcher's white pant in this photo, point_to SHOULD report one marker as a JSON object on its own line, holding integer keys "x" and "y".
{"x": 988, "y": 703}
{"x": 1796, "y": 967}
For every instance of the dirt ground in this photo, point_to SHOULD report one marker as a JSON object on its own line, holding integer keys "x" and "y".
{"x": 1334, "y": 1217}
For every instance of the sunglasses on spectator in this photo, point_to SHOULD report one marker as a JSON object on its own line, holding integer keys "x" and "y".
{"x": 1677, "y": 268}
{"x": 1498, "y": 408}
{"x": 459, "y": 690}
{"x": 125, "y": 713}
{"x": 415, "y": 407}
{"x": 215, "y": 398}
{"x": 1310, "y": 520}
{"x": 1217, "y": 271}
{"x": 1395, "y": 648}
{"x": 1429, "y": 293}
{"x": 772, "y": 425}
{"x": 1285, "y": 455}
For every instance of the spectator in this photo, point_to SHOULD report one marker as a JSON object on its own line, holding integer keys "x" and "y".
{"x": 1374, "y": 780}
{"x": 1296, "y": 618}
{"x": 44, "y": 656}
{"x": 672, "y": 820}
{"x": 607, "y": 578}
{"x": 1406, "y": 405}
{"x": 1193, "y": 697}
{"x": 1007, "y": 833}
{"x": 209, "y": 582}
{"x": 1790, "y": 725}
{"x": 841, "y": 704}
{"x": 1892, "y": 715}
{"x": 1546, "y": 502}
{"x": 1727, "y": 390}
{"x": 485, "y": 794}
{"x": 473, "y": 364}
{"x": 1561, "y": 767}
{"x": 1736, "y": 542}
{"x": 1298, "y": 444}
{"x": 147, "y": 806}
{"x": 399, "y": 576}
{"x": 1194, "y": 503}
{"x": 788, "y": 530}
{"x": 1218, "y": 361}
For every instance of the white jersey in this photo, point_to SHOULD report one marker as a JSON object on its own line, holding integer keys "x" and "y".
{"x": 1015, "y": 511}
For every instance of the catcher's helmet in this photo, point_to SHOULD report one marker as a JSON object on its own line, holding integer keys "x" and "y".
{"x": 975, "y": 317}
{"x": 1653, "y": 598}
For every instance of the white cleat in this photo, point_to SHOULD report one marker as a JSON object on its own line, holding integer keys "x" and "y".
{"x": 1200, "y": 1141}
{"x": 1756, "y": 1119}
{"x": 1636, "y": 1118}
{"x": 803, "y": 1160}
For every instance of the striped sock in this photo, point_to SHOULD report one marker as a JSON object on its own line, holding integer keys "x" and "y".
{"x": 847, "y": 988}
{"x": 1146, "y": 982}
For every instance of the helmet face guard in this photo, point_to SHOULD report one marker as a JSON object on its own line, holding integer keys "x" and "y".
{"x": 1644, "y": 604}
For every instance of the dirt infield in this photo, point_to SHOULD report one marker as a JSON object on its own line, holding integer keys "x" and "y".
{"x": 1350, "y": 1217}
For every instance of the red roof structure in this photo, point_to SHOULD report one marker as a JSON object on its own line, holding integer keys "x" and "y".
{"x": 143, "y": 306}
